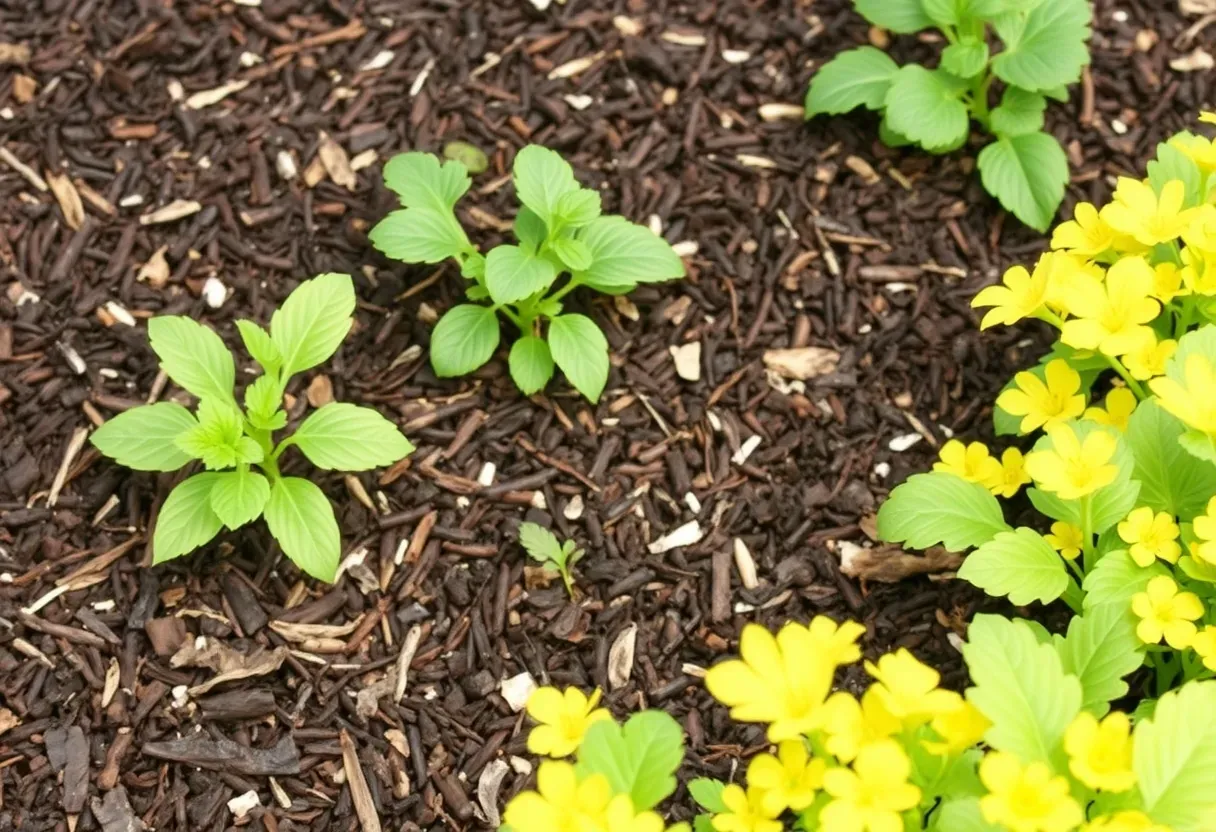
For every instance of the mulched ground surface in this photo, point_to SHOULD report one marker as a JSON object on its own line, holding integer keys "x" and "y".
{"x": 804, "y": 235}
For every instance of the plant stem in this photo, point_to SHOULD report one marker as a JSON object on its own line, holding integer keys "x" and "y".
{"x": 979, "y": 98}
{"x": 515, "y": 319}
{"x": 570, "y": 286}
{"x": 1089, "y": 556}
{"x": 1185, "y": 319}
{"x": 1074, "y": 596}
{"x": 1132, "y": 384}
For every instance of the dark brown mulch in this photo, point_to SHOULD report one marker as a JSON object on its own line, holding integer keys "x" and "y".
{"x": 804, "y": 235}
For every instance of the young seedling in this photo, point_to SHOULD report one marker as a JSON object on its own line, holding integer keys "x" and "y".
{"x": 544, "y": 548}
{"x": 1044, "y": 50}
{"x": 237, "y": 448}
{"x": 560, "y": 231}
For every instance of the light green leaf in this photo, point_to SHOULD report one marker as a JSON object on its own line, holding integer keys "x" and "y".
{"x": 1171, "y": 480}
{"x": 1116, "y": 579}
{"x": 946, "y": 12}
{"x": 419, "y": 235}
{"x": 463, "y": 340}
{"x": 1047, "y": 49}
{"x": 238, "y": 497}
{"x": 1101, "y": 648}
{"x": 541, "y": 544}
{"x": 577, "y": 208}
{"x": 1175, "y": 759}
{"x": 1201, "y": 341}
{"x": 575, "y": 254}
{"x": 262, "y": 400}
{"x": 345, "y": 437}
{"x": 855, "y": 78}
{"x": 581, "y": 350}
{"x": 218, "y": 439}
{"x": 1021, "y": 686}
{"x": 708, "y": 794}
{"x": 470, "y": 155}
{"x": 966, "y": 58}
{"x": 940, "y": 508}
{"x": 422, "y": 182}
{"x": 1199, "y": 445}
{"x": 900, "y": 16}
{"x": 1019, "y": 564}
{"x": 530, "y": 229}
{"x": 1020, "y": 112}
{"x": 1171, "y": 163}
{"x": 193, "y": 356}
{"x": 302, "y": 521}
{"x": 926, "y": 106}
{"x": 639, "y": 760}
{"x": 542, "y": 178}
{"x": 143, "y": 438}
{"x": 961, "y": 815}
{"x": 186, "y": 520}
{"x": 531, "y": 364}
{"x": 310, "y": 325}
{"x": 1027, "y": 174}
{"x": 260, "y": 346}
{"x": 513, "y": 274}
{"x": 624, "y": 254}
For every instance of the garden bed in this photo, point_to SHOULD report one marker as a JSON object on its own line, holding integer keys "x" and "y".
{"x": 794, "y": 236}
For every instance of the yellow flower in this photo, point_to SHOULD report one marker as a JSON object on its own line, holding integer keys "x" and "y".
{"x": 871, "y": 796}
{"x": 564, "y": 719}
{"x": 1013, "y": 474}
{"x": 1026, "y": 799}
{"x": 1201, "y": 233}
{"x": 851, "y": 725}
{"x": 1138, "y": 212}
{"x": 1126, "y": 821}
{"x": 1100, "y": 753}
{"x": 782, "y": 681}
{"x": 621, "y": 817}
{"x": 1207, "y": 117}
{"x": 1040, "y": 402}
{"x": 1087, "y": 234}
{"x": 1204, "y": 644}
{"x": 909, "y": 689}
{"x": 1167, "y": 282}
{"x": 562, "y": 802}
{"x": 1064, "y": 271}
{"x": 1151, "y": 536}
{"x": 1111, "y": 316}
{"x": 1165, "y": 612}
{"x": 745, "y": 812}
{"x": 1072, "y": 469}
{"x": 959, "y": 728}
{"x": 1193, "y": 403}
{"x": 971, "y": 462}
{"x": 1199, "y": 149}
{"x": 788, "y": 781}
{"x": 1149, "y": 356}
{"x": 836, "y": 643}
{"x": 1021, "y": 296}
{"x": 1066, "y": 539}
{"x": 1199, "y": 271}
{"x": 1120, "y": 403}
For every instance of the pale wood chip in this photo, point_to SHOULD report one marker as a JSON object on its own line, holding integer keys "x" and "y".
{"x": 361, "y": 796}
{"x": 175, "y": 210}
{"x": 336, "y": 162}
{"x": 206, "y": 98}
{"x": 68, "y": 198}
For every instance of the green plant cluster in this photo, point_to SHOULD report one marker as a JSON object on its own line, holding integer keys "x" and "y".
{"x": 1043, "y": 50}
{"x": 560, "y": 230}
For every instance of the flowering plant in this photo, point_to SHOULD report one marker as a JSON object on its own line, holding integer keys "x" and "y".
{"x": 1122, "y": 418}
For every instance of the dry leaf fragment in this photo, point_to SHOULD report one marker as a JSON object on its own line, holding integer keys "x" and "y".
{"x": 517, "y": 690}
{"x": 94, "y": 198}
{"x": 14, "y": 53}
{"x": 890, "y": 564}
{"x": 68, "y": 199}
{"x": 487, "y": 790}
{"x": 156, "y": 271}
{"x": 336, "y": 162}
{"x": 685, "y": 535}
{"x": 802, "y": 363}
{"x": 175, "y": 210}
{"x": 1199, "y": 59}
{"x": 620, "y": 657}
{"x": 8, "y": 720}
{"x": 24, "y": 88}
{"x": 229, "y": 664}
{"x": 688, "y": 360}
{"x": 320, "y": 391}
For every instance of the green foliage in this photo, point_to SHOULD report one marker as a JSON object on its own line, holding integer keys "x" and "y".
{"x": 544, "y": 547}
{"x": 1116, "y": 578}
{"x": 1175, "y": 759}
{"x": 1171, "y": 479}
{"x": 1019, "y": 564}
{"x": 1101, "y": 649}
{"x": 940, "y": 508}
{"x": 304, "y": 332}
{"x": 639, "y": 759}
{"x": 1043, "y": 48}
{"x": 560, "y": 232}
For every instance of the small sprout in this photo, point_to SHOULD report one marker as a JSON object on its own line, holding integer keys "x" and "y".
{"x": 544, "y": 548}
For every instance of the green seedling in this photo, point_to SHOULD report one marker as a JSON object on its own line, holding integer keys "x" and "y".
{"x": 236, "y": 446}
{"x": 1043, "y": 50}
{"x": 543, "y": 546}
{"x": 563, "y": 243}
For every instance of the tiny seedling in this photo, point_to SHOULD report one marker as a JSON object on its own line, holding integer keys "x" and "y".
{"x": 237, "y": 448}
{"x": 544, "y": 548}
{"x": 560, "y": 231}
{"x": 1044, "y": 49}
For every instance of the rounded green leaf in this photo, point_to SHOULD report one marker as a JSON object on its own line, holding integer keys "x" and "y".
{"x": 311, "y": 324}
{"x": 1171, "y": 479}
{"x": 1116, "y": 579}
{"x": 193, "y": 356}
{"x": 639, "y": 759}
{"x": 422, "y": 182}
{"x": 186, "y": 520}
{"x": 900, "y": 16}
{"x": 1019, "y": 564}
{"x": 513, "y": 273}
{"x": 542, "y": 178}
{"x": 463, "y": 340}
{"x": 1020, "y": 112}
{"x": 966, "y": 58}
{"x": 143, "y": 438}
{"x": 1175, "y": 758}
{"x": 1027, "y": 174}
{"x": 574, "y": 254}
{"x": 855, "y": 78}
{"x": 531, "y": 364}
{"x": 940, "y": 508}
{"x": 260, "y": 346}
{"x": 469, "y": 155}
{"x": 1047, "y": 48}
{"x": 302, "y": 521}
{"x": 345, "y": 437}
{"x": 926, "y": 106}
{"x": 1101, "y": 648}
{"x": 624, "y": 254}
{"x": 238, "y": 497}
{"x": 577, "y": 208}
{"x": 419, "y": 235}
{"x": 581, "y": 350}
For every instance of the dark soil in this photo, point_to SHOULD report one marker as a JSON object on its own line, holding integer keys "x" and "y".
{"x": 804, "y": 234}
